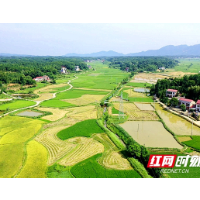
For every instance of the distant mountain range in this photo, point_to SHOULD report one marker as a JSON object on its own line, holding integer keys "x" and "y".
{"x": 170, "y": 50}
{"x": 98, "y": 54}
{"x": 17, "y": 55}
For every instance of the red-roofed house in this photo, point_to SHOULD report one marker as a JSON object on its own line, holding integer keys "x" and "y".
{"x": 171, "y": 93}
{"x": 198, "y": 106}
{"x": 187, "y": 102}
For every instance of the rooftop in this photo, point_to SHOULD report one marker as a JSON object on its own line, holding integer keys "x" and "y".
{"x": 172, "y": 90}
{"x": 183, "y": 99}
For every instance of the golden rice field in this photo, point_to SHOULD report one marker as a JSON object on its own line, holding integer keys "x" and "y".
{"x": 22, "y": 134}
{"x": 11, "y": 159}
{"x": 185, "y": 138}
{"x": 20, "y": 130}
{"x": 86, "y": 147}
{"x": 49, "y": 88}
{"x": 132, "y": 93}
{"x": 144, "y": 106}
{"x": 45, "y": 93}
{"x": 56, "y": 147}
{"x": 56, "y": 113}
{"x": 44, "y": 96}
{"x": 15, "y": 132}
{"x": 115, "y": 160}
{"x": 75, "y": 115}
{"x": 85, "y": 99}
{"x": 135, "y": 113}
{"x": 36, "y": 161}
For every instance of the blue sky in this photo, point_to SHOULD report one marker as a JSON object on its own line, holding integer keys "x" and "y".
{"x": 59, "y": 39}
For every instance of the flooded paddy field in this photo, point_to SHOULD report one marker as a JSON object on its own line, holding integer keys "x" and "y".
{"x": 141, "y": 90}
{"x": 150, "y": 134}
{"x": 177, "y": 124}
{"x": 28, "y": 113}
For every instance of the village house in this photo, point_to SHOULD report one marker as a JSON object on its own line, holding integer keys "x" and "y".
{"x": 198, "y": 106}
{"x": 171, "y": 93}
{"x": 42, "y": 78}
{"x": 77, "y": 68}
{"x": 63, "y": 70}
{"x": 189, "y": 103}
{"x": 161, "y": 68}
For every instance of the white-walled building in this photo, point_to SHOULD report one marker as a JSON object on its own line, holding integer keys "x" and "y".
{"x": 187, "y": 102}
{"x": 77, "y": 68}
{"x": 63, "y": 70}
{"x": 171, "y": 93}
{"x": 198, "y": 106}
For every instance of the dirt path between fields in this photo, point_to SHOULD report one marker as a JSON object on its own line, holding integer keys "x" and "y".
{"x": 38, "y": 102}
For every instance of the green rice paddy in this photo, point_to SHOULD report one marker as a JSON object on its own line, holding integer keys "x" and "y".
{"x": 90, "y": 168}
{"x": 85, "y": 128}
{"x": 16, "y": 105}
{"x": 56, "y": 104}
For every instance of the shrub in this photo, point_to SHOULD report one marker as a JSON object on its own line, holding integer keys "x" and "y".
{"x": 183, "y": 107}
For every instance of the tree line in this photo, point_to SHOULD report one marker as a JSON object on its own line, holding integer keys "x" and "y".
{"x": 187, "y": 86}
{"x": 141, "y": 64}
{"x": 23, "y": 69}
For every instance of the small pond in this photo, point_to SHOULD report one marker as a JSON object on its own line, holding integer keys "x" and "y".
{"x": 21, "y": 96}
{"x": 29, "y": 114}
{"x": 141, "y": 90}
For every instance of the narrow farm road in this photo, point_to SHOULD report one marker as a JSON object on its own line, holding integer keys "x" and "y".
{"x": 38, "y": 102}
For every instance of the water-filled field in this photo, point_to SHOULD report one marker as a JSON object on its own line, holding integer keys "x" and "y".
{"x": 29, "y": 114}
{"x": 177, "y": 124}
{"x": 141, "y": 90}
{"x": 150, "y": 134}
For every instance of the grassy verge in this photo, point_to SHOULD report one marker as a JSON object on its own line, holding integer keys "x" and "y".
{"x": 139, "y": 167}
{"x": 112, "y": 136}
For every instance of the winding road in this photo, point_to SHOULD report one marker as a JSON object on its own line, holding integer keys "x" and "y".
{"x": 38, "y": 102}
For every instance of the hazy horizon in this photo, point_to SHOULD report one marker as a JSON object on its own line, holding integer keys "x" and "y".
{"x": 60, "y": 39}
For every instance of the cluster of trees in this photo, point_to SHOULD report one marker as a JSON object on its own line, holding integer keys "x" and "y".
{"x": 188, "y": 86}
{"x": 23, "y": 69}
{"x": 140, "y": 64}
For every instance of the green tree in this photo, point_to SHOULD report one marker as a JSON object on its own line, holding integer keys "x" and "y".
{"x": 173, "y": 101}
{"x": 183, "y": 107}
{"x": 134, "y": 150}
